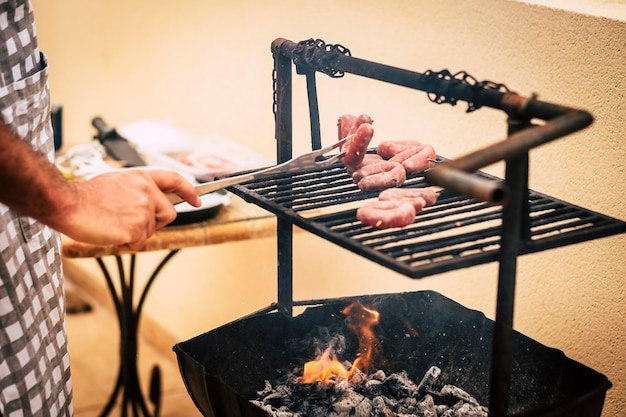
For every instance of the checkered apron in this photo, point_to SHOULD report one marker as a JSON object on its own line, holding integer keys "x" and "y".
{"x": 34, "y": 361}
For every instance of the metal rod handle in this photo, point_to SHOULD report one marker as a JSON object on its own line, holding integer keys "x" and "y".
{"x": 469, "y": 184}
{"x": 455, "y": 174}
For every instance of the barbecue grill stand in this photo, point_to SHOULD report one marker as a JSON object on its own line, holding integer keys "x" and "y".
{"x": 313, "y": 56}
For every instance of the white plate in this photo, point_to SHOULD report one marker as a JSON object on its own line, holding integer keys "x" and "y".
{"x": 211, "y": 204}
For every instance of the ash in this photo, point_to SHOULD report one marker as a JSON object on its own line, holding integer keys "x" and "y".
{"x": 374, "y": 395}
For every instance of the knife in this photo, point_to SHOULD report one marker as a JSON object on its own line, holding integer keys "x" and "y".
{"x": 117, "y": 146}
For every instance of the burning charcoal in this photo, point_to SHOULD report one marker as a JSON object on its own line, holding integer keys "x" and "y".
{"x": 266, "y": 390}
{"x": 442, "y": 410}
{"x": 315, "y": 412}
{"x": 391, "y": 403}
{"x": 379, "y": 375}
{"x": 374, "y": 387}
{"x": 284, "y": 412}
{"x": 380, "y": 408}
{"x": 363, "y": 409}
{"x": 408, "y": 405}
{"x": 341, "y": 385}
{"x": 275, "y": 399}
{"x": 352, "y": 404}
{"x": 273, "y": 412}
{"x": 456, "y": 392}
{"x": 358, "y": 377}
{"x": 426, "y": 407}
{"x": 449, "y": 412}
{"x": 374, "y": 395}
{"x": 400, "y": 385}
{"x": 428, "y": 379}
{"x": 470, "y": 410}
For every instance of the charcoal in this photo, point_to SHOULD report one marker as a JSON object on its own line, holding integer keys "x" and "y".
{"x": 285, "y": 413}
{"x": 358, "y": 377}
{"x": 458, "y": 393}
{"x": 275, "y": 399}
{"x": 364, "y": 408}
{"x": 352, "y": 404}
{"x": 379, "y": 375}
{"x": 266, "y": 391}
{"x": 273, "y": 412}
{"x": 374, "y": 395}
{"x": 316, "y": 412}
{"x": 442, "y": 410}
{"x": 429, "y": 379}
{"x": 449, "y": 412}
{"x": 380, "y": 409}
{"x": 400, "y": 385}
{"x": 374, "y": 387}
{"x": 407, "y": 405}
{"x": 426, "y": 407}
{"x": 470, "y": 410}
{"x": 342, "y": 385}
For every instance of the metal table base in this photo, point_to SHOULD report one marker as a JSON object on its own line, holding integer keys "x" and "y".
{"x": 128, "y": 386}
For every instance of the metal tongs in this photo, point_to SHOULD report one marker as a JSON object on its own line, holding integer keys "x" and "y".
{"x": 307, "y": 161}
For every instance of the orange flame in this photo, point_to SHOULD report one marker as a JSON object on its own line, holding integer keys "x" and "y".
{"x": 362, "y": 320}
{"x": 324, "y": 369}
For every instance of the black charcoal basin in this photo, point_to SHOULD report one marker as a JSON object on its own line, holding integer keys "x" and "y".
{"x": 224, "y": 368}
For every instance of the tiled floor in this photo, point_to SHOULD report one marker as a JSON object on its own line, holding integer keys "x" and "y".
{"x": 94, "y": 358}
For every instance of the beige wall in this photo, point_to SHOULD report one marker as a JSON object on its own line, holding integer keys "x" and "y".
{"x": 206, "y": 66}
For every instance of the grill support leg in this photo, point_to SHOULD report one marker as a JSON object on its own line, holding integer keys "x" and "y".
{"x": 285, "y": 267}
{"x": 283, "y": 133}
{"x": 514, "y": 220}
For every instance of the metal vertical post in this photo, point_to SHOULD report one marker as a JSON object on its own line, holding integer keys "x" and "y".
{"x": 284, "y": 228}
{"x": 513, "y": 211}
{"x": 314, "y": 114}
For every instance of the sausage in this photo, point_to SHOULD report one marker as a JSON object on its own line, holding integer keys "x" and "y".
{"x": 386, "y": 214}
{"x": 345, "y": 124}
{"x": 371, "y": 158}
{"x": 349, "y": 123}
{"x": 379, "y": 176}
{"x": 419, "y": 197}
{"x": 389, "y": 148}
{"x": 374, "y": 168}
{"x": 368, "y": 159}
{"x": 356, "y": 148}
{"x": 416, "y": 159}
{"x": 363, "y": 118}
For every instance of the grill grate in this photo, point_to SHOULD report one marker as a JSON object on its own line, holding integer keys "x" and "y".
{"x": 457, "y": 232}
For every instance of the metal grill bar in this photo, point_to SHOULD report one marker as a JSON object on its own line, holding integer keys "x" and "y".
{"x": 455, "y": 233}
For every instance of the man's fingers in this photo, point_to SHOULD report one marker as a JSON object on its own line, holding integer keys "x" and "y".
{"x": 165, "y": 214}
{"x": 172, "y": 182}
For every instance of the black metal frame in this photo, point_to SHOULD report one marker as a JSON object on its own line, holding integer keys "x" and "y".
{"x": 455, "y": 175}
{"x": 128, "y": 386}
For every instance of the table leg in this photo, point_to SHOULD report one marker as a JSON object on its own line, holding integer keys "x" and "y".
{"x": 128, "y": 314}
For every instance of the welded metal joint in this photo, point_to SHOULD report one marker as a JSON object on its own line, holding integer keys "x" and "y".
{"x": 515, "y": 105}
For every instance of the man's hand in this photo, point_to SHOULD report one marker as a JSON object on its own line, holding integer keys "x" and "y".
{"x": 121, "y": 208}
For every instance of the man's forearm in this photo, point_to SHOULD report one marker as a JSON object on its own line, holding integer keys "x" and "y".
{"x": 28, "y": 181}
